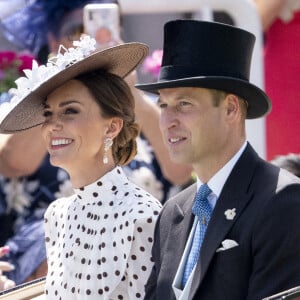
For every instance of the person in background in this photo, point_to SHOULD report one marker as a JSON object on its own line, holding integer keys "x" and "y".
{"x": 235, "y": 233}
{"x": 5, "y": 283}
{"x": 98, "y": 240}
{"x": 281, "y": 26}
{"x": 28, "y": 184}
{"x": 290, "y": 162}
{"x": 43, "y": 26}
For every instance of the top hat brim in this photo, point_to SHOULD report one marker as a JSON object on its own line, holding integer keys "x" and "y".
{"x": 259, "y": 103}
{"x": 119, "y": 60}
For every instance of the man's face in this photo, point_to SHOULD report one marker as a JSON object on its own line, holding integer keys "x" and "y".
{"x": 193, "y": 127}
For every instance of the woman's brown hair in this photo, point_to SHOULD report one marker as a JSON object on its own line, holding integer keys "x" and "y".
{"x": 115, "y": 100}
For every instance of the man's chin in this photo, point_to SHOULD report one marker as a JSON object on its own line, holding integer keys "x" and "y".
{"x": 178, "y": 159}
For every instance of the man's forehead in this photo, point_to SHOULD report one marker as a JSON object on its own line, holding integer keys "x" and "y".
{"x": 182, "y": 91}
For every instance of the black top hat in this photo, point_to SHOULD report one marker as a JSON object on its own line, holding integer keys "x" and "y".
{"x": 209, "y": 55}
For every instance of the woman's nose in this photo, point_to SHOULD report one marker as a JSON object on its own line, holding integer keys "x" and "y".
{"x": 53, "y": 123}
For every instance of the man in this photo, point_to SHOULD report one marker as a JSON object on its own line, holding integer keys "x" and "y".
{"x": 246, "y": 209}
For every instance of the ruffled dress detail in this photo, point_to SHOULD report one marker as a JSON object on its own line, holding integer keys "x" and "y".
{"x": 99, "y": 240}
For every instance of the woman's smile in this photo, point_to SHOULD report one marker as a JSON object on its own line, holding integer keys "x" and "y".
{"x": 57, "y": 143}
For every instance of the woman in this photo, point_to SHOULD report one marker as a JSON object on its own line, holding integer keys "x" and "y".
{"x": 56, "y": 23}
{"x": 99, "y": 240}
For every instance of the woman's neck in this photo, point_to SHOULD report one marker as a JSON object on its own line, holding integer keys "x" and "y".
{"x": 80, "y": 178}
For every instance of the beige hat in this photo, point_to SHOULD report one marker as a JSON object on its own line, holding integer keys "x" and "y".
{"x": 26, "y": 107}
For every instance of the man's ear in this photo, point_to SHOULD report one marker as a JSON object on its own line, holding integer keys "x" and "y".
{"x": 232, "y": 105}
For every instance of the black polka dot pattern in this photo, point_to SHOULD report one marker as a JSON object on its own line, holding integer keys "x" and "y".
{"x": 99, "y": 241}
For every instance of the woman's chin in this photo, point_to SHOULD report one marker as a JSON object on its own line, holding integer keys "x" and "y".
{"x": 57, "y": 162}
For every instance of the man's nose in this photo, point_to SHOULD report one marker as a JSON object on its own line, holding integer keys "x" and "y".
{"x": 168, "y": 118}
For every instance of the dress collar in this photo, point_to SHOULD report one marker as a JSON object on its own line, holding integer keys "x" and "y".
{"x": 113, "y": 183}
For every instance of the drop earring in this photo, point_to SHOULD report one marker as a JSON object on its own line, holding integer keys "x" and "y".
{"x": 107, "y": 144}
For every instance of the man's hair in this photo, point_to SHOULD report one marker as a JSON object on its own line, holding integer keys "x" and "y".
{"x": 219, "y": 95}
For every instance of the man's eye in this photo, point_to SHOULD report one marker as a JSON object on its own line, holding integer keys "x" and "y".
{"x": 184, "y": 103}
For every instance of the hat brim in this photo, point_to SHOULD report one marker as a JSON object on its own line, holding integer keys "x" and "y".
{"x": 259, "y": 103}
{"x": 119, "y": 60}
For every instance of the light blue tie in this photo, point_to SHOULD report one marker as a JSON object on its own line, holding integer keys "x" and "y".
{"x": 202, "y": 210}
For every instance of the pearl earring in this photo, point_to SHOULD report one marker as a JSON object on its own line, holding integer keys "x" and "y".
{"x": 107, "y": 144}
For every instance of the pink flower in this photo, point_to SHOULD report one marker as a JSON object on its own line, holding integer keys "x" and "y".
{"x": 12, "y": 65}
{"x": 26, "y": 62}
{"x": 153, "y": 62}
{"x": 7, "y": 59}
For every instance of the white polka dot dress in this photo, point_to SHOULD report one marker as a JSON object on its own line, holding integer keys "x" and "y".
{"x": 99, "y": 241}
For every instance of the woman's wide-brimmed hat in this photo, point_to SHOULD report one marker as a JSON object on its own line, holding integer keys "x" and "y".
{"x": 209, "y": 55}
{"x": 25, "y": 110}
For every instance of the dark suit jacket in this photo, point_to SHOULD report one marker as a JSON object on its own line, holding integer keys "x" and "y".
{"x": 266, "y": 227}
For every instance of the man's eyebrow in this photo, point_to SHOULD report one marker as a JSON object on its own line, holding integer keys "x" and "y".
{"x": 177, "y": 98}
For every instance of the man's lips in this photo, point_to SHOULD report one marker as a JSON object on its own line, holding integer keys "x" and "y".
{"x": 175, "y": 140}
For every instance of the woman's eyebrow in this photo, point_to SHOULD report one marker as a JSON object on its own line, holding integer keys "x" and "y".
{"x": 62, "y": 104}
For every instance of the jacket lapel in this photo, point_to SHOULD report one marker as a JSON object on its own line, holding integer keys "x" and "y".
{"x": 234, "y": 195}
{"x": 181, "y": 225}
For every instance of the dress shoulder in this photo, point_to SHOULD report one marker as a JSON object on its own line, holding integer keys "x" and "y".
{"x": 58, "y": 204}
{"x": 139, "y": 203}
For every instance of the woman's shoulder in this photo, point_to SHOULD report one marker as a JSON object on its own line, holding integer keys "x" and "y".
{"x": 138, "y": 203}
{"x": 59, "y": 204}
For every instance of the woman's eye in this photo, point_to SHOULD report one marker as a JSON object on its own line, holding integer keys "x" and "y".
{"x": 162, "y": 105}
{"x": 71, "y": 111}
{"x": 47, "y": 113}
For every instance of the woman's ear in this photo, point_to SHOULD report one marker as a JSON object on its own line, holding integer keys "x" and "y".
{"x": 114, "y": 127}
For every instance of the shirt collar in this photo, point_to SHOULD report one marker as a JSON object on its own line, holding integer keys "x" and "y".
{"x": 217, "y": 182}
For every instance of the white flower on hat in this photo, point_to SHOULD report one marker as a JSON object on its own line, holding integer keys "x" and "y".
{"x": 39, "y": 74}
{"x": 230, "y": 213}
{"x": 26, "y": 84}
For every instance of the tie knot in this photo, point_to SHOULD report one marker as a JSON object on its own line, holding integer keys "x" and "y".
{"x": 201, "y": 205}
